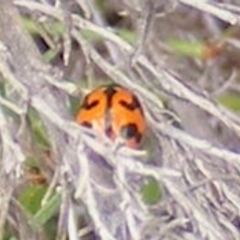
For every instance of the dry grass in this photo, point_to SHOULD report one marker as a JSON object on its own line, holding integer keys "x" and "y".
{"x": 92, "y": 189}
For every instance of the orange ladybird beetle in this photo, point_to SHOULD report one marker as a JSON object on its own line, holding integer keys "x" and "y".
{"x": 114, "y": 111}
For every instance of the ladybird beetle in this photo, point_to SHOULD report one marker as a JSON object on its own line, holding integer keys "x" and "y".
{"x": 114, "y": 111}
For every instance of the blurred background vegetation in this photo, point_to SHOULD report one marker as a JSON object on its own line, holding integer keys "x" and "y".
{"x": 201, "y": 48}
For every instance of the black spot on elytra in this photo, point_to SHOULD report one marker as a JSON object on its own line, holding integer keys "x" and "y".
{"x": 87, "y": 124}
{"x": 133, "y": 105}
{"x": 131, "y": 131}
{"x": 89, "y": 105}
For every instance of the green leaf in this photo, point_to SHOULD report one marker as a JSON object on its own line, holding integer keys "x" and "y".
{"x": 74, "y": 105}
{"x": 151, "y": 191}
{"x": 38, "y": 129}
{"x": 186, "y": 48}
{"x": 32, "y": 26}
{"x": 55, "y": 28}
{"x": 32, "y": 162}
{"x": 127, "y": 35}
{"x": 50, "y": 55}
{"x": 9, "y": 236}
{"x": 91, "y": 36}
{"x": 48, "y": 210}
{"x": 32, "y": 196}
{"x": 231, "y": 101}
